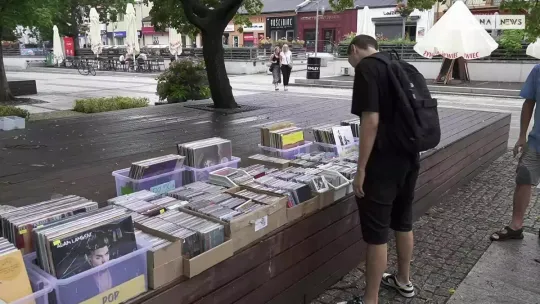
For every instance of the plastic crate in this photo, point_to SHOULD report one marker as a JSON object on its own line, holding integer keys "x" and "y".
{"x": 127, "y": 270}
{"x": 340, "y": 191}
{"x": 159, "y": 184}
{"x": 19, "y": 122}
{"x": 286, "y": 153}
{"x": 330, "y": 148}
{"x": 41, "y": 287}
{"x": 203, "y": 174}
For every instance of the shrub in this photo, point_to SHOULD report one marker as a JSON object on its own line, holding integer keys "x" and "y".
{"x": 511, "y": 40}
{"x": 348, "y": 38}
{"x": 184, "y": 80}
{"x": 106, "y": 104}
{"x": 397, "y": 41}
{"x": 13, "y": 111}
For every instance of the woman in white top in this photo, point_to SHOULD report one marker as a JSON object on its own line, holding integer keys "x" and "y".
{"x": 286, "y": 65}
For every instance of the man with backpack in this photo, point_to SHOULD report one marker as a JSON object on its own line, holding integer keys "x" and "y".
{"x": 388, "y": 163}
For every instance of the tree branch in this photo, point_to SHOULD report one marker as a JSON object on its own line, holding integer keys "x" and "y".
{"x": 229, "y": 8}
{"x": 195, "y": 13}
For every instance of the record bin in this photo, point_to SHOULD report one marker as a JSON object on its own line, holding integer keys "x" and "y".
{"x": 128, "y": 274}
{"x": 41, "y": 287}
{"x": 159, "y": 184}
{"x": 340, "y": 191}
{"x": 203, "y": 174}
{"x": 286, "y": 153}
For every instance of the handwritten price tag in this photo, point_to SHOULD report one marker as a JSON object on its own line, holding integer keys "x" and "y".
{"x": 261, "y": 223}
{"x": 164, "y": 188}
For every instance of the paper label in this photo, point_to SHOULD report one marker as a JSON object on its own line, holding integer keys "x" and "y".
{"x": 120, "y": 293}
{"x": 164, "y": 188}
{"x": 261, "y": 223}
{"x": 289, "y": 139}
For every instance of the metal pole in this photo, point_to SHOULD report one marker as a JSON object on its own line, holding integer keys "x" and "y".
{"x": 317, "y": 29}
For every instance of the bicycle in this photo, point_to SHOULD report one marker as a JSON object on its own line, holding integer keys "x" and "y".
{"x": 85, "y": 68}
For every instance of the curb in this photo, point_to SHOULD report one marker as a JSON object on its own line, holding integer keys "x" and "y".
{"x": 337, "y": 84}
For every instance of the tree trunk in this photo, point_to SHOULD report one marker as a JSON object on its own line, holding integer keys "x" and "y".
{"x": 74, "y": 28}
{"x": 215, "y": 68}
{"x": 5, "y": 92}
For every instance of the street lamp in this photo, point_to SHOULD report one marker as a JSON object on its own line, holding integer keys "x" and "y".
{"x": 317, "y": 24}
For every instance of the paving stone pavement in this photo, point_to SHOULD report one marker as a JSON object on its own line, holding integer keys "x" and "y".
{"x": 450, "y": 238}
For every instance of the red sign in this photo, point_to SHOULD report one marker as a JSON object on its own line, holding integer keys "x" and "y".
{"x": 248, "y": 37}
{"x": 69, "y": 46}
{"x": 150, "y": 30}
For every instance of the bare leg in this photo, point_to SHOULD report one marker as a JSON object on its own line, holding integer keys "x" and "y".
{"x": 522, "y": 198}
{"x": 404, "y": 247}
{"x": 375, "y": 266}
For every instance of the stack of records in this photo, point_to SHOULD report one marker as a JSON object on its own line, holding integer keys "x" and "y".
{"x": 317, "y": 157}
{"x": 269, "y": 159}
{"x": 17, "y": 225}
{"x": 168, "y": 203}
{"x": 143, "y": 195}
{"x": 298, "y": 192}
{"x": 347, "y": 169}
{"x": 222, "y": 206}
{"x": 155, "y": 166}
{"x": 315, "y": 182}
{"x": 266, "y": 134}
{"x": 256, "y": 171}
{"x": 324, "y": 134}
{"x": 141, "y": 207}
{"x": 188, "y": 192}
{"x": 354, "y": 124}
{"x": 257, "y": 197}
{"x": 6, "y": 208}
{"x": 14, "y": 280}
{"x": 287, "y": 138}
{"x": 78, "y": 244}
{"x": 229, "y": 177}
{"x": 206, "y": 153}
{"x": 304, "y": 163}
{"x": 211, "y": 234}
{"x": 191, "y": 241}
{"x": 156, "y": 242}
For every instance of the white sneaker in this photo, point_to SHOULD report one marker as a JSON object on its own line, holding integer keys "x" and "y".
{"x": 406, "y": 290}
{"x": 286, "y": 88}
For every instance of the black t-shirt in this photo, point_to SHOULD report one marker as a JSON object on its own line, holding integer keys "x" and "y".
{"x": 373, "y": 92}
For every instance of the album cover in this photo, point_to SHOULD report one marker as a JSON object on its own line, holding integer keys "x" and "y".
{"x": 206, "y": 153}
{"x": 343, "y": 137}
{"x": 81, "y": 251}
{"x": 14, "y": 281}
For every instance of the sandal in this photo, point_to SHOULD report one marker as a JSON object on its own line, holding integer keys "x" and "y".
{"x": 506, "y": 234}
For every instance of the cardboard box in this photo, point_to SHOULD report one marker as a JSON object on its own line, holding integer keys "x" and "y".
{"x": 253, "y": 226}
{"x": 326, "y": 198}
{"x": 303, "y": 209}
{"x": 165, "y": 264}
{"x": 208, "y": 259}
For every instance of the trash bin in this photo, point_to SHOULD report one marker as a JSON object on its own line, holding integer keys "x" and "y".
{"x": 313, "y": 68}
{"x": 49, "y": 60}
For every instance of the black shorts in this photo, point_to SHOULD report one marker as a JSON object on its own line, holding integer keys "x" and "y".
{"x": 389, "y": 194}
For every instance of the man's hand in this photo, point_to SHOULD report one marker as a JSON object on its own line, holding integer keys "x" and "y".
{"x": 358, "y": 183}
{"x": 520, "y": 145}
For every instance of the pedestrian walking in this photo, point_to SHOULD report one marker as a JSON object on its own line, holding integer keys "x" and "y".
{"x": 286, "y": 65}
{"x": 528, "y": 168}
{"x": 386, "y": 175}
{"x": 275, "y": 67}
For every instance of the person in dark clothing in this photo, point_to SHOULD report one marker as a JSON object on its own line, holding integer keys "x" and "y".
{"x": 386, "y": 175}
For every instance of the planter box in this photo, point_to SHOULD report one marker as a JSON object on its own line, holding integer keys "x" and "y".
{"x": 23, "y": 87}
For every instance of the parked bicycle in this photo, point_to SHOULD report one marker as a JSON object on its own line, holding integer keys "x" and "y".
{"x": 86, "y": 68}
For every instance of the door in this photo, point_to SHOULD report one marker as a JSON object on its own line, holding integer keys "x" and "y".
{"x": 329, "y": 36}
{"x": 235, "y": 41}
{"x": 309, "y": 37}
{"x": 290, "y": 35}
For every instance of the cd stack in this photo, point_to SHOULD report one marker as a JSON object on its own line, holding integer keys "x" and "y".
{"x": 256, "y": 171}
{"x": 229, "y": 177}
{"x": 354, "y": 124}
{"x": 336, "y": 139}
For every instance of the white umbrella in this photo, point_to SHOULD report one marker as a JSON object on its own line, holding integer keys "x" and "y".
{"x": 58, "y": 52}
{"x": 95, "y": 32}
{"x": 175, "y": 42}
{"x": 132, "y": 40}
{"x": 533, "y": 49}
{"x": 457, "y": 34}
{"x": 366, "y": 25}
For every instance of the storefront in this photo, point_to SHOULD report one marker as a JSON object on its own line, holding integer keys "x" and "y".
{"x": 389, "y": 24}
{"x": 151, "y": 37}
{"x": 249, "y": 36}
{"x": 332, "y": 28}
{"x": 281, "y": 27}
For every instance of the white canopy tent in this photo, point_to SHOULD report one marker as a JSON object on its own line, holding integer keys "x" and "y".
{"x": 533, "y": 49}
{"x": 132, "y": 40}
{"x": 95, "y": 32}
{"x": 175, "y": 42}
{"x": 366, "y": 24}
{"x": 58, "y": 50}
{"x": 457, "y": 36}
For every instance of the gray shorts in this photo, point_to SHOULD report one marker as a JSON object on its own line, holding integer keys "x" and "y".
{"x": 528, "y": 169}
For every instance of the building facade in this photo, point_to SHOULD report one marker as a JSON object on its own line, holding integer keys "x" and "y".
{"x": 279, "y": 27}
{"x": 389, "y": 24}
{"x": 332, "y": 28}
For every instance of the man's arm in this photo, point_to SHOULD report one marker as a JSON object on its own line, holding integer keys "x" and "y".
{"x": 526, "y": 114}
{"x": 368, "y": 133}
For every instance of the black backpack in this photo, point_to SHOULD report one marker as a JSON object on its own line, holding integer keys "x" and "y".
{"x": 417, "y": 117}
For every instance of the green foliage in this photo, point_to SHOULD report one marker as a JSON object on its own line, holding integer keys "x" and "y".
{"x": 171, "y": 13}
{"x": 531, "y": 9}
{"x": 27, "y": 13}
{"x": 14, "y": 111}
{"x": 511, "y": 41}
{"x": 107, "y": 104}
{"x": 346, "y": 40}
{"x": 183, "y": 80}
{"x": 397, "y": 41}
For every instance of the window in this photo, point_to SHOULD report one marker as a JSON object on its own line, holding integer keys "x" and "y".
{"x": 119, "y": 41}
{"x": 184, "y": 42}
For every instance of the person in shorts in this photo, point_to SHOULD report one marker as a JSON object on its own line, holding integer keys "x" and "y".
{"x": 528, "y": 169}
{"x": 386, "y": 175}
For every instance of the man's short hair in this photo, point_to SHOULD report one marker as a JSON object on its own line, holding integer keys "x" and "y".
{"x": 363, "y": 42}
